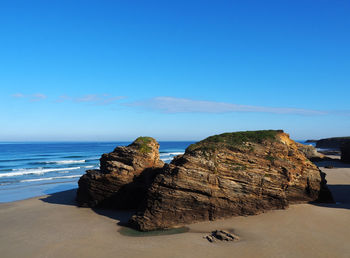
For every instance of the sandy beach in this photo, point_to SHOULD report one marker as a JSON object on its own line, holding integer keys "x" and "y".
{"x": 52, "y": 226}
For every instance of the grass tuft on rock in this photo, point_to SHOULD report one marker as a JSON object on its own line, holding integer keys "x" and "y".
{"x": 234, "y": 140}
{"x": 143, "y": 144}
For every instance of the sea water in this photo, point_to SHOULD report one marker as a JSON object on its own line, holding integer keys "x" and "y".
{"x": 34, "y": 169}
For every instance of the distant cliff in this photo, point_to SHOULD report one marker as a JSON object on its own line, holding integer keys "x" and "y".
{"x": 345, "y": 152}
{"x": 332, "y": 143}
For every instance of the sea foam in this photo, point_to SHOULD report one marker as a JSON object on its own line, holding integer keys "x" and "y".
{"x": 168, "y": 157}
{"x": 36, "y": 171}
{"x": 49, "y": 178}
{"x": 61, "y": 162}
{"x": 170, "y": 154}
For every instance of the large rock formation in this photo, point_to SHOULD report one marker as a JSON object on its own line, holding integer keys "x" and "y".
{"x": 231, "y": 174}
{"x": 123, "y": 178}
{"x": 345, "y": 152}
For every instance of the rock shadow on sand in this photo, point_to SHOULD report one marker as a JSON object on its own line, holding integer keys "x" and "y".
{"x": 335, "y": 163}
{"x": 341, "y": 195}
{"x": 68, "y": 198}
{"x": 121, "y": 217}
{"x": 61, "y": 198}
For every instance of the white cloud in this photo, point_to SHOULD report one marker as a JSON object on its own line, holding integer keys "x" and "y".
{"x": 63, "y": 98}
{"x": 37, "y": 97}
{"x": 88, "y": 98}
{"x": 99, "y": 99}
{"x": 110, "y": 100}
{"x": 18, "y": 95}
{"x": 96, "y": 99}
{"x": 182, "y": 105}
{"x": 33, "y": 97}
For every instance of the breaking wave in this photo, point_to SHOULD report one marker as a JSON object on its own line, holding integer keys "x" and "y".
{"x": 60, "y": 162}
{"x": 49, "y": 178}
{"x": 35, "y": 171}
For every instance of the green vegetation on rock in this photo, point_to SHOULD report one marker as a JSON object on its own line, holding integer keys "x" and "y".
{"x": 239, "y": 167}
{"x": 234, "y": 140}
{"x": 270, "y": 158}
{"x": 142, "y": 143}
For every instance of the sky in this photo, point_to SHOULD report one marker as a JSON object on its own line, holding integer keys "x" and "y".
{"x": 174, "y": 70}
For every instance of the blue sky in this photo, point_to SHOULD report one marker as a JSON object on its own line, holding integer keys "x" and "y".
{"x": 174, "y": 70}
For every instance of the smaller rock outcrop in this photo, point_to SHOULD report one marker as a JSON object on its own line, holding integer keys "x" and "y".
{"x": 221, "y": 235}
{"x": 345, "y": 152}
{"x": 123, "y": 177}
{"x": 310, "y": 152}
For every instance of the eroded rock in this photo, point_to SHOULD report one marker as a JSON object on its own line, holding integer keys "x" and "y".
{"x": 232, "y": 174}
{"x": 226, "y": 175}
{"x": 124, "y": 176}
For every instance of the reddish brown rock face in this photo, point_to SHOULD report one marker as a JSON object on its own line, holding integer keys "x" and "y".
{"x": 226, "y": 175}
{"x": 124, "y": 177}
{"x": 230, "y": 175}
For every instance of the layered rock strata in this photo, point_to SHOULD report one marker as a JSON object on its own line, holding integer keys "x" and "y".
{"x": 123, "y": 178}
{"x": 232, "y": 174}
{"x": 226, "y": 175}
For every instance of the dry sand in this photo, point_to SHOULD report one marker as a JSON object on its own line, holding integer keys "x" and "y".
{"x": 52, "y": 226}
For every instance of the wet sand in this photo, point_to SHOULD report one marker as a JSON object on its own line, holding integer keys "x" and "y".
{"x": 52, "y": 226}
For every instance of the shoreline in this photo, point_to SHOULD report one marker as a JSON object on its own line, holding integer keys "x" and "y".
{"x": 53, "y": 226}
{"x": 38, "y": 169}
{"x": 16, "y": 188}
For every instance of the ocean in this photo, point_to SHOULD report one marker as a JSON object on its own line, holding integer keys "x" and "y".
{"x": 34, "y": 169}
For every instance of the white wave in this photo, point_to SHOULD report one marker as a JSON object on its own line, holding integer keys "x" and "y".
{"x": 167, "y": 160}
{"x": 64, "y": 161}
{"x": 171, "y": 154}
{"x": 94, "y": 158}
{"x": 89, "y": 166}
{"x": 49, "y": 178}
{"x": 35, "y": 171}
